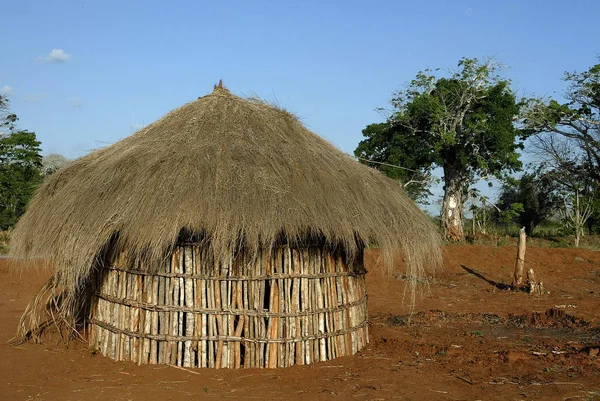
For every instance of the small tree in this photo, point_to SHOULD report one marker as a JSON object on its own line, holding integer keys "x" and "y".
{"x": 481, "y": 209}
{"x": 578, "y": 208}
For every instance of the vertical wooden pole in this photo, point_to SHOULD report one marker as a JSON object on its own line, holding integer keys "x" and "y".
{"x": 296, "y": 295}
{"x": 189, "y": 302}
{"x": 210, "y": 299}
{"x": 148, "y": 297}
{"x": 321, "y": 305}
{"x": 161, "y": 321}
{"x": 174, "y": 302}
{"x": 199, "y": 292}
{"x": 220, "y": 329}
{"x": 124, "y": 316}
{"x": 279, "y": 264}
{"x": 520, "y": 263}
{"x": 305, "y": 305}
{"x": 180, "y": 344}
{"x": 263, "y": 323}
{"x": 154, "y": 320}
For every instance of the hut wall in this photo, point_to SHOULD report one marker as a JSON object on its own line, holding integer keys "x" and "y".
{"x": 286, "y": 307}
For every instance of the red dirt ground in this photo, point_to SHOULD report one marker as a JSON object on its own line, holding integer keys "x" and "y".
{"x": 468, "y": 340}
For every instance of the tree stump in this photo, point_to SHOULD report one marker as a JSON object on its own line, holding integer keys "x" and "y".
{"x": 533, "y": 286}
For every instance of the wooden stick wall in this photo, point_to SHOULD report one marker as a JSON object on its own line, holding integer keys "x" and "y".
{"x": 289, "y": 306}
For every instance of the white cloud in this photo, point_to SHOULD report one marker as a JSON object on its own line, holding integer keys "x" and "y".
{"x": 34, "y": 97}
{"x": 6, "y": 91}
{"x": 56, "y": 56}
{"x": 74, "y": 102}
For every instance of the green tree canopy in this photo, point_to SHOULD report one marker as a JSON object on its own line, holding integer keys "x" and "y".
{"x": 20, "y": 168}
{"x": 463, "y": 123}
{"x": 397, "y": 155}
{"x": 536, "y": 195}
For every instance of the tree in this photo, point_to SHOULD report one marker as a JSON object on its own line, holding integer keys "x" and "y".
{"x": 578, "y": 208}
{"x": 578, "y": 190}
{"x": 593, "y": 223}
{"x": 389, "y": 150}
{"x": 481, "y": 209}
{"x": 53, "y": 162}
{"x": 574, "y": 183}
{"x": 7, "y": 120}
{"x": 567, "y": 137}
{"x": 534, "y": 195}
{"x": 20, "y": 168}
{"x": 462, "y": 122}
{"x": 577, "y": 121}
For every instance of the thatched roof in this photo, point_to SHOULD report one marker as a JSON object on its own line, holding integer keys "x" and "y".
{"x": 235, "y": 169}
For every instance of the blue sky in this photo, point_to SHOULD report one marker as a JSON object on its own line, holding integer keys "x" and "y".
{"x": 82, "y": 74}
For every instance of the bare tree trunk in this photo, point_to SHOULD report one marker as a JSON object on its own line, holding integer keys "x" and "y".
{"x": 484, "y": 228}
{"x": 520, "y": 264}
{"x": 577, "y": 215}
{"x": 577, "y": 219}
{"x": 452, "y": 208}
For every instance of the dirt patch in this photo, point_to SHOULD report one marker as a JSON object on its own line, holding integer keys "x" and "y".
{"x": 552, "y": 318}
{"x": 468, "y": 339}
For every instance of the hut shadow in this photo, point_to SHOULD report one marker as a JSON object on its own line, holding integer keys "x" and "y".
{"x": 500, "y": 286}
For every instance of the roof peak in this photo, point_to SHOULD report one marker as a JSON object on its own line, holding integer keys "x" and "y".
{"x": 219, "y": 87}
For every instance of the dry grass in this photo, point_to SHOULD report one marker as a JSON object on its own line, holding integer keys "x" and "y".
{"x": 230, "y": 171}
{"x": 4, "y": 241}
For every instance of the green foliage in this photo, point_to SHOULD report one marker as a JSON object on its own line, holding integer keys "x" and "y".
{"x": 20, "y": 169}
{"x": 549, "y": 228}
{"x": 388, "y": 143}
{"x": 7, "y": 120}
{"x": 528, "y": 200}
{"x": 462, "y": 122}
{"x": 593, "y": 223}
{"x": 509, "y": 214}
{"x": 20, "y": 174}
{"x": 560, "y": 243}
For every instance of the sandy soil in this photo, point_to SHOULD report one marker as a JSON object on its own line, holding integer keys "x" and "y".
{"x": 469, "y": 339}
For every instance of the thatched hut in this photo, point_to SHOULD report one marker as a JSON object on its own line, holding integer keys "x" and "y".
{"x": 225, "y": 234}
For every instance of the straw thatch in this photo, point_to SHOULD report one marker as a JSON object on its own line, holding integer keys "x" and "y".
{"x": 235, "y": 172}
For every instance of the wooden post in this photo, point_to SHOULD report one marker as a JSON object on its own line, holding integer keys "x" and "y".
{"x": 520, "y": 264}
